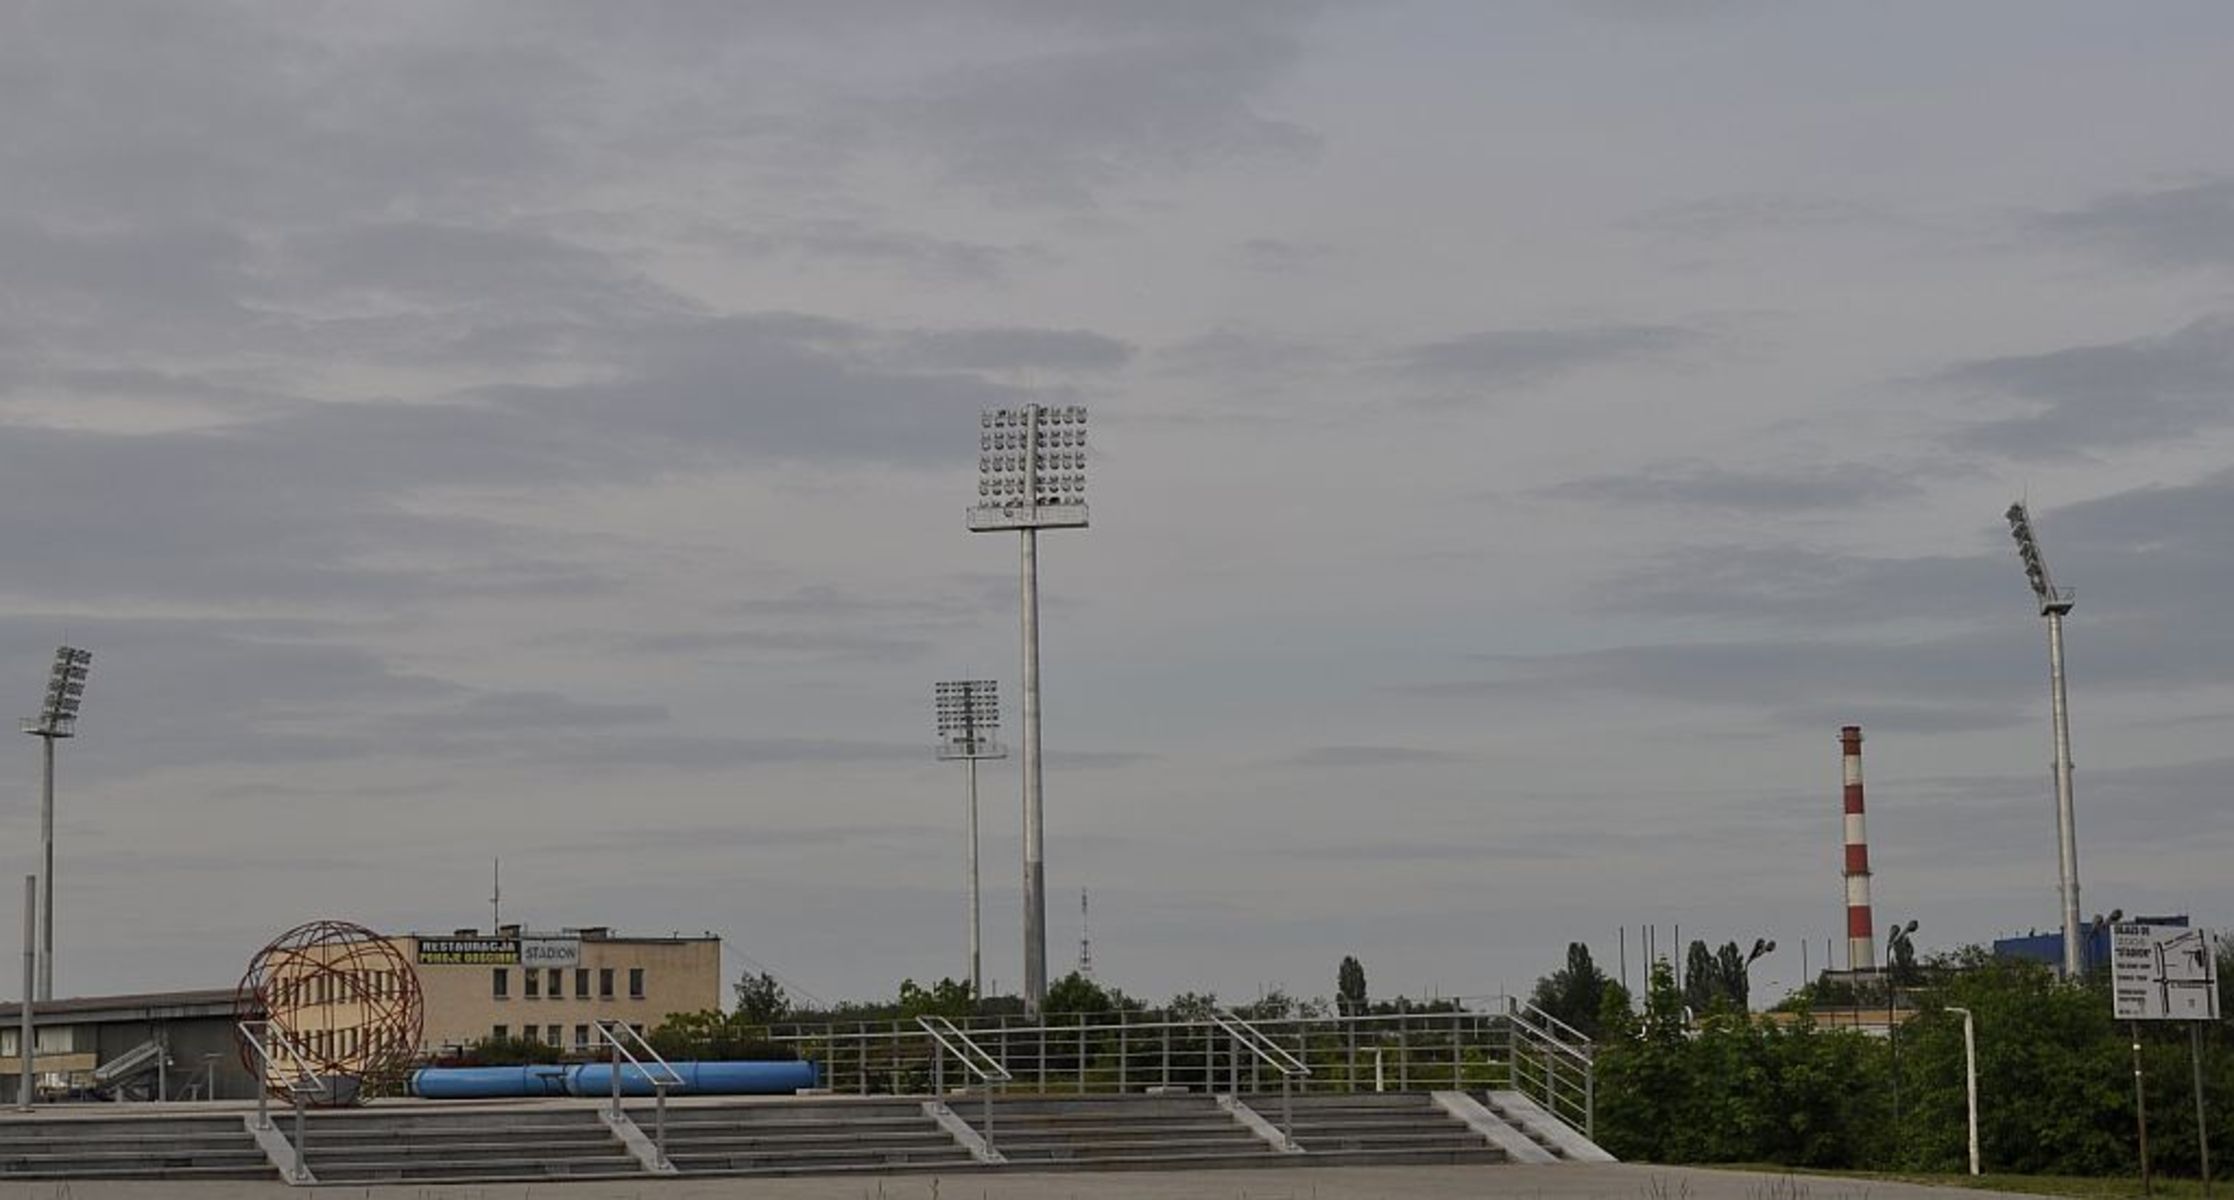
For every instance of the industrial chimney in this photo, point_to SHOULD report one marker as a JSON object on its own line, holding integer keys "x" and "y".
{"x": 1861, "y": 942}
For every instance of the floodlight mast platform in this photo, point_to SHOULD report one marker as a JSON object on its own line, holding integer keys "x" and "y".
{"x": 969, "y": 714}
{"x": 2055, "y": 603}
{"x": 57, "y": 719}
{"x": 1031, "y": 476}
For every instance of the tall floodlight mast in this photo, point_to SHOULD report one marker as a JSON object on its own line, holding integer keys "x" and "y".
{"x": 2054, "y": 603}
{"x": 969, "y": 713}
{"x": 1031, "y": 476}
{"x": 58, "y": 718}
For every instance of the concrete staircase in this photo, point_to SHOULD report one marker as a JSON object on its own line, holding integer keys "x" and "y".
{"x": 807, "y": 1138}
{"x": 217, "y": 1147}
{"x": 1379, "y": 1128}
{"x": 1118, "y": 1132}
{"x": 454, "y": 1145}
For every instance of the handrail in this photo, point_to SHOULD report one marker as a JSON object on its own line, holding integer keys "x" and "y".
{"x": 616, "y": 1034}
{"x": 259, "y": 1037}
{"x": 1273, "y": 1054}
{"x": 1523, "y": 1008}
{"x": 988, "y": 1069}
{"x": 1268, "y": 1051}
{"x": 951, "y": 1039}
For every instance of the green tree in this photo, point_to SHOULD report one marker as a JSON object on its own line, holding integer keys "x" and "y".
{"x": 1702, "y": 982}
{"x": 1730, "y": 974}
{"x": 1574, "y": 993}
{"x": 760, "y": 999}
{"x": 949, "y": 998}
{"x": 713, "y": 1036}
{"x": 1349, "y": 987}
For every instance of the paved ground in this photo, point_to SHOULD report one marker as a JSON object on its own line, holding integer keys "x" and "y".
{"x": 1622, "y": 1182}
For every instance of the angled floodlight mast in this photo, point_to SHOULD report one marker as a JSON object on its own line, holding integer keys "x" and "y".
{"x": 57, "y": 719}
{"x": 1031, "y": 476}
{"x": 969, "y": 717}
{"x": 2055, "y": 602}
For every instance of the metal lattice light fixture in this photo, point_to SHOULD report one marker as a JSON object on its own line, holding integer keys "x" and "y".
{"x": 2055, "y": 604}
{"x": 58, "y": 718}
{"x": 969, "y": 717}
{"x": 1031, "y": 476}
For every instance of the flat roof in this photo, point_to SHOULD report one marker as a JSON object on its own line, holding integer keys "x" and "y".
{"x": 137, "y": 1006}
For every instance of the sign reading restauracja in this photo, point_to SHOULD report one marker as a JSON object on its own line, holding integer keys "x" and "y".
{"x": 500, "y": 951}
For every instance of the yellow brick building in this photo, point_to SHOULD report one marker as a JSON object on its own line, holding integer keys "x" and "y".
{"x": 551, "y": 987}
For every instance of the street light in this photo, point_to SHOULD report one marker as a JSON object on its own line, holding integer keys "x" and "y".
{"x": 1898, "y": 950}
{"x": 1761, "y": 946}
{"x": 969, "y": 714}
{"x": 2054, "y": 603}
{"x": 58, "y": 718}
{"x": 1970, "y": 1078}
{"x": 1031, "y": 476}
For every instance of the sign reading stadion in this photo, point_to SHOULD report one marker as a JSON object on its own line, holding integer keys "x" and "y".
{"x": 500, "y": 952}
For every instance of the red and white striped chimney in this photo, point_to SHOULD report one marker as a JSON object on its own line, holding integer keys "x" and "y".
{"x": 1861, "y": 941}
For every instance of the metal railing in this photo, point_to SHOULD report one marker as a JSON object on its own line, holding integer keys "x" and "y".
{"x": 1553, "y": 1063}
{"x": 264, "y": 1038}
{"x": 1469, "y": 1044}
{"x": 1248, "y": 1037}
{"x": 951, "y": 1040}
{"x": 618, "y": 1034}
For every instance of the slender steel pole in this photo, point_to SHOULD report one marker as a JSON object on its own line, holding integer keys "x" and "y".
{"x": 977, "y": 958}
{"x": 2067, "y": 837}
{"x": 2202, "y": 1116}
{"x": 1970, "y": 1078}
{"x": 46, "y": 902}
{"x": 26, "y": 1042}
{"x": 1035, "y": 880}
{"x": 2141, "y": 1110}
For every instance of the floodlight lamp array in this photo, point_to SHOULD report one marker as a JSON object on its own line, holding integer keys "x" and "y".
{"x": 2036, "y": 567}
{"x": 1032, "y": 457}
{"x": 58, "y": 716}
{"x": 968, "y": 709}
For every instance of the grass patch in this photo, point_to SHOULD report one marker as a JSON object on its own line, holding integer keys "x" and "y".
{"x": 2081, "y": 1187}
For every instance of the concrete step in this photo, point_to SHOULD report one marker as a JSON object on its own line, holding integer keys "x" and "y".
{"x": 262, "y": 1170}
{"x": 482, "y": 1169}
{"x": 1247, "y": 1143}
{"x": 543, "y": 1148}
{"x": 829, "y": 1139}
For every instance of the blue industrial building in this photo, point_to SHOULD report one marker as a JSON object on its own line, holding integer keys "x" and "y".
{"x": 2094, "y": 942}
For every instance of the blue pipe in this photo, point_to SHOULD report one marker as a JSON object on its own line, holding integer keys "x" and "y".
{"x": 596, "y": 1079}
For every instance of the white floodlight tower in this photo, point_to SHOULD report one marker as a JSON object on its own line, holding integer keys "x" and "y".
{"x": 969, "y": 713}
{"x": 58, "y": 718}
{"x": 1031, "y": 476}
{"x": 2054, "y": 603}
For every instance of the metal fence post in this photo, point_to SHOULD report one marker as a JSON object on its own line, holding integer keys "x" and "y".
{"x": 1167, "y": 1052}
{"x": 1082, "y": 1054}
{"x": 659, "y": 1118}
{"x": 615, "y": 1041}
{"x": 263, "y": 1079}
{"x": 1043, "y": 1052}
{"x": 864, "y": 1034}
{"x": 1458, "y": 1073}
{"x": 1403, "y": 1048}
{"x": 299, "y": 1173}
{"x": 1121, "y": 1052}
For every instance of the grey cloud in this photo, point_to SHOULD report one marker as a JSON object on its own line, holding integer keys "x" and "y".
{"x": 1001, "y": 349}
{"x": 1421, "y": 852}
{"x": 1057, "y": 125}
{"x": 761, "y": 643}
{"x": 1707, "y": 485}
{"x": 1819, "y": 588}
{"x": 2186, "y": 226}
{"x": 1510, "y": 357}
{"x": 1278, "y": 256}
{"x": 1370, "y": 756}
{"x": 1761, "y": 213}
{"x": 2106, "y": 396}
{"x": 516, "y": 713}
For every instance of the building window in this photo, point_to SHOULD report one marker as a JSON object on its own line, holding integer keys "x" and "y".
{"x": 551, "y": 1035}
{"x": 636, "y": 983}
{"x": 500, "y": 983}
{"x": 530, "y": 978}
{"x": 500, "y": 1032}
{"x": 555, "y": 987}
{"x": 581, "y": 1037}
{"x": 581, "y": 983}
{"x": 605, "y": 983}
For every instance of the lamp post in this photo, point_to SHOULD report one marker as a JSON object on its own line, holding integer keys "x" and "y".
{"x": 969, "y": 714}
{"x": 1761, "y": 946}
{"x": 1970, "y": 1078}
{"x": 57, "y": 719}
{"x": 2055, "y": 602}
{"x": 1899, "y": 950}
{"x": 1031, "y": 476}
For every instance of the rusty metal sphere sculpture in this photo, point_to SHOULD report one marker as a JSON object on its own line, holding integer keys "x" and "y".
{"x": 342, "y": 1005}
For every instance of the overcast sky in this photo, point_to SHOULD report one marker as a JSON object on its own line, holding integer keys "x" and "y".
{"x": 1523, "y": 435}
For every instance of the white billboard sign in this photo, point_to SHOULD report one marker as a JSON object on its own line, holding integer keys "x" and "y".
{"x": 2163, "y": 973}
{"x": 550, "y": 952}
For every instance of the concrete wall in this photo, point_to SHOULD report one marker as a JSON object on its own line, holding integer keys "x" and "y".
{"x": 679, "y": 975}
